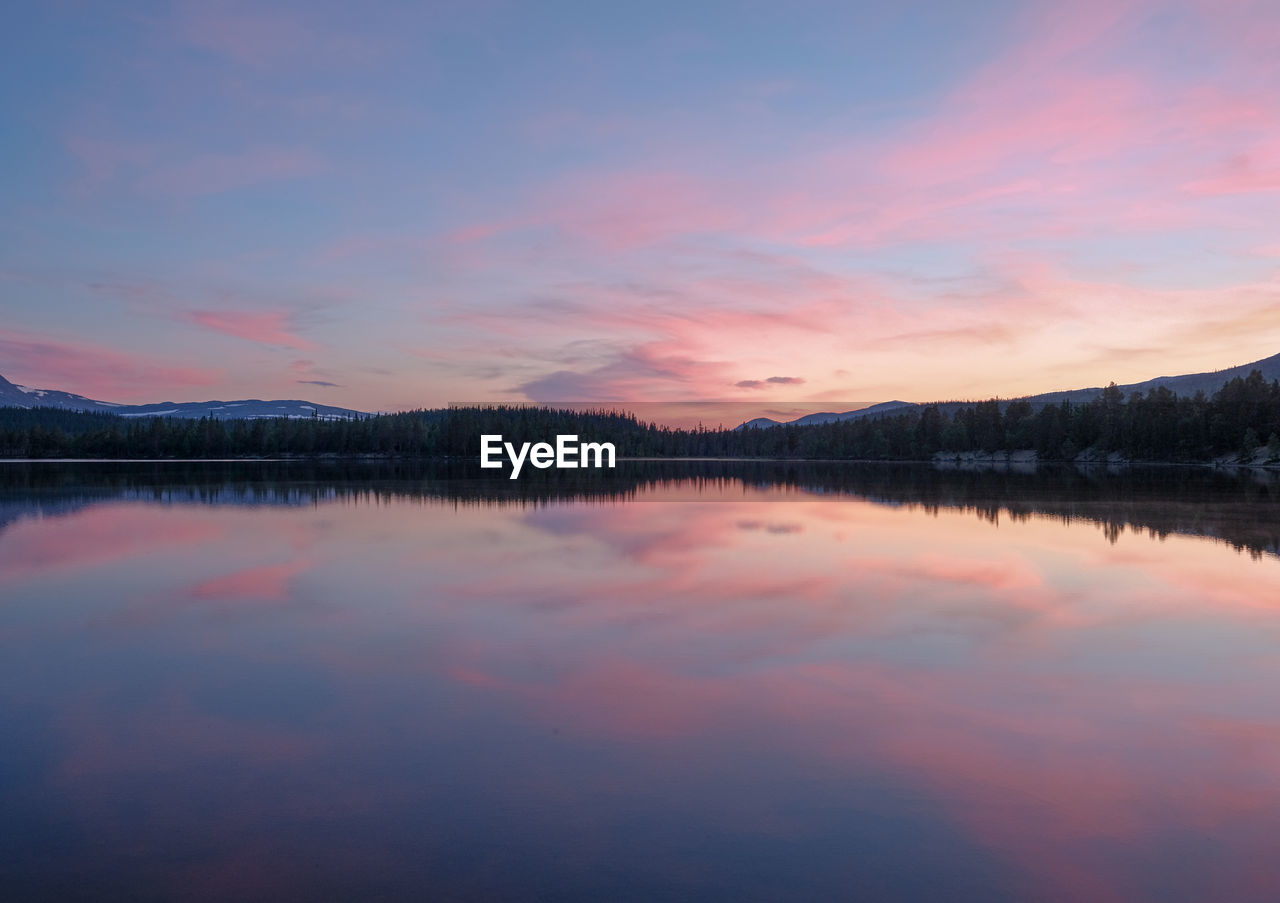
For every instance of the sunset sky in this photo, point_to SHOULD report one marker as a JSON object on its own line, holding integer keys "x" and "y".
{"x": 393, "y": 205}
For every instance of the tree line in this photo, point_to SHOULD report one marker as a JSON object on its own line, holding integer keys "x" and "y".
{"x": 1230, "y": 506}
{"x": 1241, "y": 419}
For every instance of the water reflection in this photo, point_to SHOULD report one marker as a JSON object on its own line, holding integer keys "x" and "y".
{"x": 284, "y": 683}
{"x": 1239, "y": 507}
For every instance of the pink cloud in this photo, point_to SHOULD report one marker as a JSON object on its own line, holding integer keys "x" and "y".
{"x": 1061, "y": 133}
{"x": 96, "y": 372}
{"x": 665, "y": 337}
{"x": 616, "y": 209}
{"x": 1061, "y": 136}
{"x": 680, "y": 336}
{"x": 628, "y": 209}
{"x": 1257, "y": 170}
{"x": 268, "y": 328}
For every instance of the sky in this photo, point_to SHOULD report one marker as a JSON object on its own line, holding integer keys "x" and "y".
{"x": 395, "y": 205}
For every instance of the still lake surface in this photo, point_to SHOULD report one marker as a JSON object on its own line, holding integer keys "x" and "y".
{"x": 697, "y": 681}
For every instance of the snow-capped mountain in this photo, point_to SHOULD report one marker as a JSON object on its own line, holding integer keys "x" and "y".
{"x": 875, "y": 410}
{"x": 15, "y": 396}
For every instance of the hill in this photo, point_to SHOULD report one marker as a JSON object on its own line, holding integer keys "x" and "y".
{"x": 1186, "y": 385}
{"x": 16, "y": 396}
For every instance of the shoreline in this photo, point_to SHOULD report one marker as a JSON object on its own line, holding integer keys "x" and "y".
{"x": 962, "y": 462}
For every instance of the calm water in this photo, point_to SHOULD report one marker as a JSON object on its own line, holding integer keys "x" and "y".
{"x": 685, "y": 682}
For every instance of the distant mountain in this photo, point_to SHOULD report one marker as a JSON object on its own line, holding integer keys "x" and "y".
{"x": 15, "y": 396}
{"x": 12, "y": 395}
{"x": 1185, "y": 386}
{"x": 885, "y": 407}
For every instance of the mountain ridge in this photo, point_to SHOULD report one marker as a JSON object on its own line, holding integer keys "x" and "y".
{"x": 1186, "y": 384}
{"x": 14, "y": 395}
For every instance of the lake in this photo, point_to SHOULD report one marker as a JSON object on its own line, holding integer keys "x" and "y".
{"x": 677, "y": 681}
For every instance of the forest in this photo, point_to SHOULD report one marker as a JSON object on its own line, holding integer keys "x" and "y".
{"x": 1241, "y": 420}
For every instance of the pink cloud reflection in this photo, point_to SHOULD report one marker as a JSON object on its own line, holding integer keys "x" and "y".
{"x": 1025, "y": 679}
{"x": 271, "y": 582}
